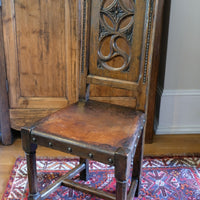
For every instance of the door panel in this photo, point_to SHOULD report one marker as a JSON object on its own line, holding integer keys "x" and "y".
{"x": 40, "y": 32}
{"x": 42, "y": 54}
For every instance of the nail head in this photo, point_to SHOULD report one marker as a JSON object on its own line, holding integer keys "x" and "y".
{"x": 90, "y": 155}
{"x": 110, "y": 160}
{"x": 69, "y": 149}
{"x": 50, "y": 144}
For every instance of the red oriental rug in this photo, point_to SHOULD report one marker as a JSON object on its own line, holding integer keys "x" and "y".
{"x": 162, "y": 178}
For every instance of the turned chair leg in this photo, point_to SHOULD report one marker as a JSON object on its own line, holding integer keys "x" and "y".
{"x": 137, "y": 163}
{"x": 84, "y": 175}
{"x": 30, "y": 149}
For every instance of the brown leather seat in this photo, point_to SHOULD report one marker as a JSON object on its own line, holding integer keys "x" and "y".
{"x": 93, "y": 123}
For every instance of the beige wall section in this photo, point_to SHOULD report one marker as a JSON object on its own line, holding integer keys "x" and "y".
{"x": 183, "y": 54}
{"x": 180, "y": 97}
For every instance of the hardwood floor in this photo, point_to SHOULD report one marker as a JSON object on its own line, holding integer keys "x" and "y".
{"x": 162, "y": 145}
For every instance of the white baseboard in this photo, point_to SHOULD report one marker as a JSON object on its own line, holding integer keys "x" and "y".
{"x": 179, "y": 112}
{"x": 178, "y": 130}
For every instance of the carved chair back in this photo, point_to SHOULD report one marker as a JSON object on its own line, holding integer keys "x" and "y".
{"x": 116, "y": 47}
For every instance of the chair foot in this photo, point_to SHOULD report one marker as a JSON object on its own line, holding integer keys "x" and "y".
{"x": 34, "y": 196}
{"x": 84, "y": 175}
{"x": 121, "y": 190}
{"x": 122, "y": 172}
{"x": 137, "y": 190}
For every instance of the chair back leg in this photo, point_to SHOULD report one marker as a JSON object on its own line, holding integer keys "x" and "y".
{"x": 137, "y": 162}
{"x": 84, "y": 175}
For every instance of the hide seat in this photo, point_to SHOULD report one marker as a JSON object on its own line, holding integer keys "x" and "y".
{"x": 93, "y": 124}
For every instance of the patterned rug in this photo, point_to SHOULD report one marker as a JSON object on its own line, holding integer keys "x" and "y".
{"x": 162, "y": 178}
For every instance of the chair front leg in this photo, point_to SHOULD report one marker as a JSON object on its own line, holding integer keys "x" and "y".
{"x": 32, "y": 176}
{"x": 121, "y": 189}
{"x": 30, "y": 151}
{"x": 122, "y": 171}
{"x": 137, "y": 163}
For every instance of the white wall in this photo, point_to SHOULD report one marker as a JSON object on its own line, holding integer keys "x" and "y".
{"x": 180, "y": 101}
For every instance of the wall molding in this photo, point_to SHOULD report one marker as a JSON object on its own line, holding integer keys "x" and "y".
{"x": 179, "y": 112}
{"x": 180, "y": 92}
{"x": 178, "y": 130}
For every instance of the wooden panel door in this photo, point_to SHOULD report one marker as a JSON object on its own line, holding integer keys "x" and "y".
{"x": 41, "y": 49}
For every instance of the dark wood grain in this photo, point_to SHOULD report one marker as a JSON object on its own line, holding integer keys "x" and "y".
{"x": 158, "y": 53}
{"x": 163, "y": 54}
{"x": 4, "y": 107}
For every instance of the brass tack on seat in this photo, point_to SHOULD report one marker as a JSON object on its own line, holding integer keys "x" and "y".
{"x": 50, "y": 144}
{"x": 135, "y": 145}
{"x": 69, "y": 149}
{"x": 90, "y": 155}
{"x": 141, "y": 127}
{"x": 110, "y": 160}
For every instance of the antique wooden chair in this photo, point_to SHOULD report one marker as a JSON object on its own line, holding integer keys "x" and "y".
{"x": 101, "y": 131}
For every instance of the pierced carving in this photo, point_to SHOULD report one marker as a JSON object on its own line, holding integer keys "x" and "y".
{"x": 116, "y": 23}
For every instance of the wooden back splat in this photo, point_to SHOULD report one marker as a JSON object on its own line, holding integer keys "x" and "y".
{"x": 117, "y": 44}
